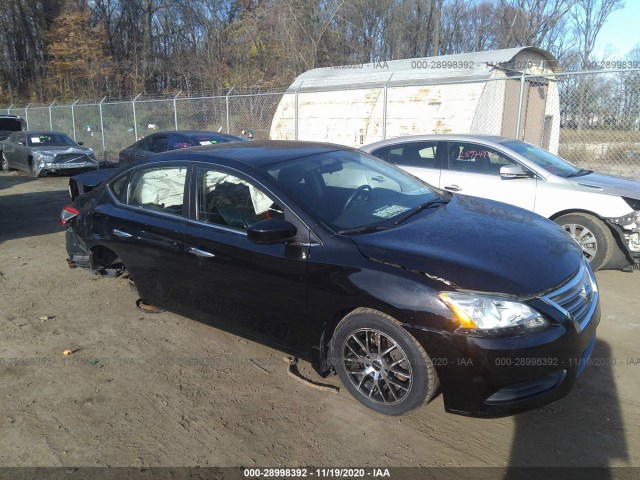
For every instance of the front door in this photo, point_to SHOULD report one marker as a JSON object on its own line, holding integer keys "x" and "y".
{"x": 258, "y": 289}
{"x": 474, "y": 169}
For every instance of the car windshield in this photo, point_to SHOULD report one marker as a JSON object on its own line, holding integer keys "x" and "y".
{"x": 550, "y": 162}
{"x": 353, "y": 192}
{"x": 50, "y": 139}
{"x": 206, "y": 139}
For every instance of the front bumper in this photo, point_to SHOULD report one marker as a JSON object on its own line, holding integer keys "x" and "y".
{"x": 490, "y": 377}
{"x": 68, "y": 168}
{"x": 497, "y": 376}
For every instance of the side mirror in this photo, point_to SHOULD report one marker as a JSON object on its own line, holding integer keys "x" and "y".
{"x": 509, "y": 172}
{"x": 20, "y": 142}
{"x": 270, "y": 232}
{"x": 80, "y": 143}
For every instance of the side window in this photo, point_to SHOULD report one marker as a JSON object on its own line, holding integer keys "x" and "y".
{"x": 382, "y": 153}
{"x": 178, "y": 141}
{"x": 117, "y": 187}
{"x": 158, "y": 189}
{"x": 157, "y": 144}
{"x": 414, "y": 154}
{"x": 230, "y": 201}
{"x": 472, "y": 158}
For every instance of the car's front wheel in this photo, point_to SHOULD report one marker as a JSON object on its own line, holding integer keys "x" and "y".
{"x": 381, "y": 364}
{"x": 33, "y": 168}
{"x": 593, "y": 236}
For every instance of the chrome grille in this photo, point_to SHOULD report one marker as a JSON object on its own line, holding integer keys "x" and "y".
{"x": 577, "y": 298}
{"x": 73, "y": 158}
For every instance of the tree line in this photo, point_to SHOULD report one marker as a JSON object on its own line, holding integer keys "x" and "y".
{"x": 64, "y": 49}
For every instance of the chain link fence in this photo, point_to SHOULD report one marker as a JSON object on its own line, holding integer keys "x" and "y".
{"x": 590, "y": 118}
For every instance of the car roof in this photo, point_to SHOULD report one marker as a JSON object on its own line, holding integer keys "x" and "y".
{"x": 256, "y": 154}
{"x": 191, "y": 133}
{"x": 443, "y": 137}
{"x": 43, "y": 132}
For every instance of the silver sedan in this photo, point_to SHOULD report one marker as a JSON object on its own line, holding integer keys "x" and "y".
{"x": 601, "y": 212}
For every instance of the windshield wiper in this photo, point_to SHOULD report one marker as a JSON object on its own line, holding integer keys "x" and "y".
{"x": 365, "y": 229}
{"x": 582, "y": 172}
{"x": 423, "y": 206}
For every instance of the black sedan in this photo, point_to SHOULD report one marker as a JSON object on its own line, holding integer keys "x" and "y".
{"x": 151, "y": 145}
{"x": 44, "y": 152}
{"x": 160, "y": 142}
{"x": 401, "y": 288}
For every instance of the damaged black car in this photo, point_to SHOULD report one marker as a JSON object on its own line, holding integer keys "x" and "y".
{"x": 40, "y": 153}
{"x": 406, "y": 291}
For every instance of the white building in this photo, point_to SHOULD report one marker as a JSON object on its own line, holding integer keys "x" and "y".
{"x": 466, "y": 93}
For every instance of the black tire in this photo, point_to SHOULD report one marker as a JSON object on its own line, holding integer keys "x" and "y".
{"x": 593, "y": 236}
{"x": 413, "y": 380}
{"x": 5, "y": 164}
{"x": 32, "y": 168}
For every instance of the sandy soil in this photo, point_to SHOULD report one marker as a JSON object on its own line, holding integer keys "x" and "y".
{"x": 162, "y": 390}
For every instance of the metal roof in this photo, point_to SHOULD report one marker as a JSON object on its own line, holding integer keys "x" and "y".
{"x": 426, "y": 70}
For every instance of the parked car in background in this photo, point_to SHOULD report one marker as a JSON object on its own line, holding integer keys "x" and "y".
{"x": 151, "y": 145}
{"x": 331, "y": 254}
{"x": 601, "y": 212}
{"x": 39, "y": 153}
{"x": 171, "y": 140}
{"x": 10, "y": 124}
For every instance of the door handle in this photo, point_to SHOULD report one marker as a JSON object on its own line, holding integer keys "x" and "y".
{"x": 201, "y": 253}
{"x": 453, "y": 188}
{"x": 378, "y": 179}
{"x": 121, "y": 234}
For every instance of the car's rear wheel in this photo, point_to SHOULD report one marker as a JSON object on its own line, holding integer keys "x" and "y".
{"x": 593, "y": 236}
{"x": 381, "y": 364}
{"x": 5, "y": 163}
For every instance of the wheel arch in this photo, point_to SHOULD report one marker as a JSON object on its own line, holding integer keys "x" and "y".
{"x": 101, "y": 258}
{"x": 621, "y": 256}
{"x": 321, "y": 353}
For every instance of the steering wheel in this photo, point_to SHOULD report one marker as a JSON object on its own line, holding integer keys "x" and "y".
{"x": 355, "y": 194}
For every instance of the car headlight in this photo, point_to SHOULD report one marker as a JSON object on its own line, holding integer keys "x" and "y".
{"x": 492, "y": 314}
{"x": 42, "y": 158}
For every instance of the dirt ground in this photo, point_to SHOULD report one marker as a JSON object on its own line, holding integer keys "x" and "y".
{"x": 162, "y": 390}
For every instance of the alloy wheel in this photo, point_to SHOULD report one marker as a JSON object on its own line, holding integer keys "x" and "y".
{"x": 584, "y": 237}
{"x": 377, "y": 366}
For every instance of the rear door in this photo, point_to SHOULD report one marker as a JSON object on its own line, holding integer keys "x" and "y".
{"x": 145, "y": 228}
{"x": 9, "y": 147}
{"x": 474, "y": 169}
{"x": 420, "y": 158}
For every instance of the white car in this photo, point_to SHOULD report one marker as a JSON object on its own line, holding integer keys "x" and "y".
{"x": 601, "y": 212}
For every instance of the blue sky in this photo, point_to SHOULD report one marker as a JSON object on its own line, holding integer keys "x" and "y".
{"x": 620, "y": 33}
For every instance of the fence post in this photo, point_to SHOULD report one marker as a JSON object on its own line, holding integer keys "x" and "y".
{"x": 175, "y": 111}
{"x": 384, "y": 108}
{"x": 9, "y": 109}
{"x": 518, "y": 122}
{"x": 50, "y": 119}
{"x": 227, "y": 102}
{"x": 297, "y": 105}
{"x": 26, "y": 115}
{"x": 73, "y": 119}
{"x": 135, "y": 121}
{"x": 104, "y": 146}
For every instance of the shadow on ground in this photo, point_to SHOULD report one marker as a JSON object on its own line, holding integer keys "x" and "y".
{"x": 29, "y": 214}
{"x": 585, "y": 429}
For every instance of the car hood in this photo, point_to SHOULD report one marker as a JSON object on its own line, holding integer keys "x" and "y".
{"x": 481, "y": 245}
{"x": 611, "y": 184}
{"x": 56, "y": 150}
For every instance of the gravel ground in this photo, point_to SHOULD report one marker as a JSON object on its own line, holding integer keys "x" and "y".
{"x": 147, "y": 390}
